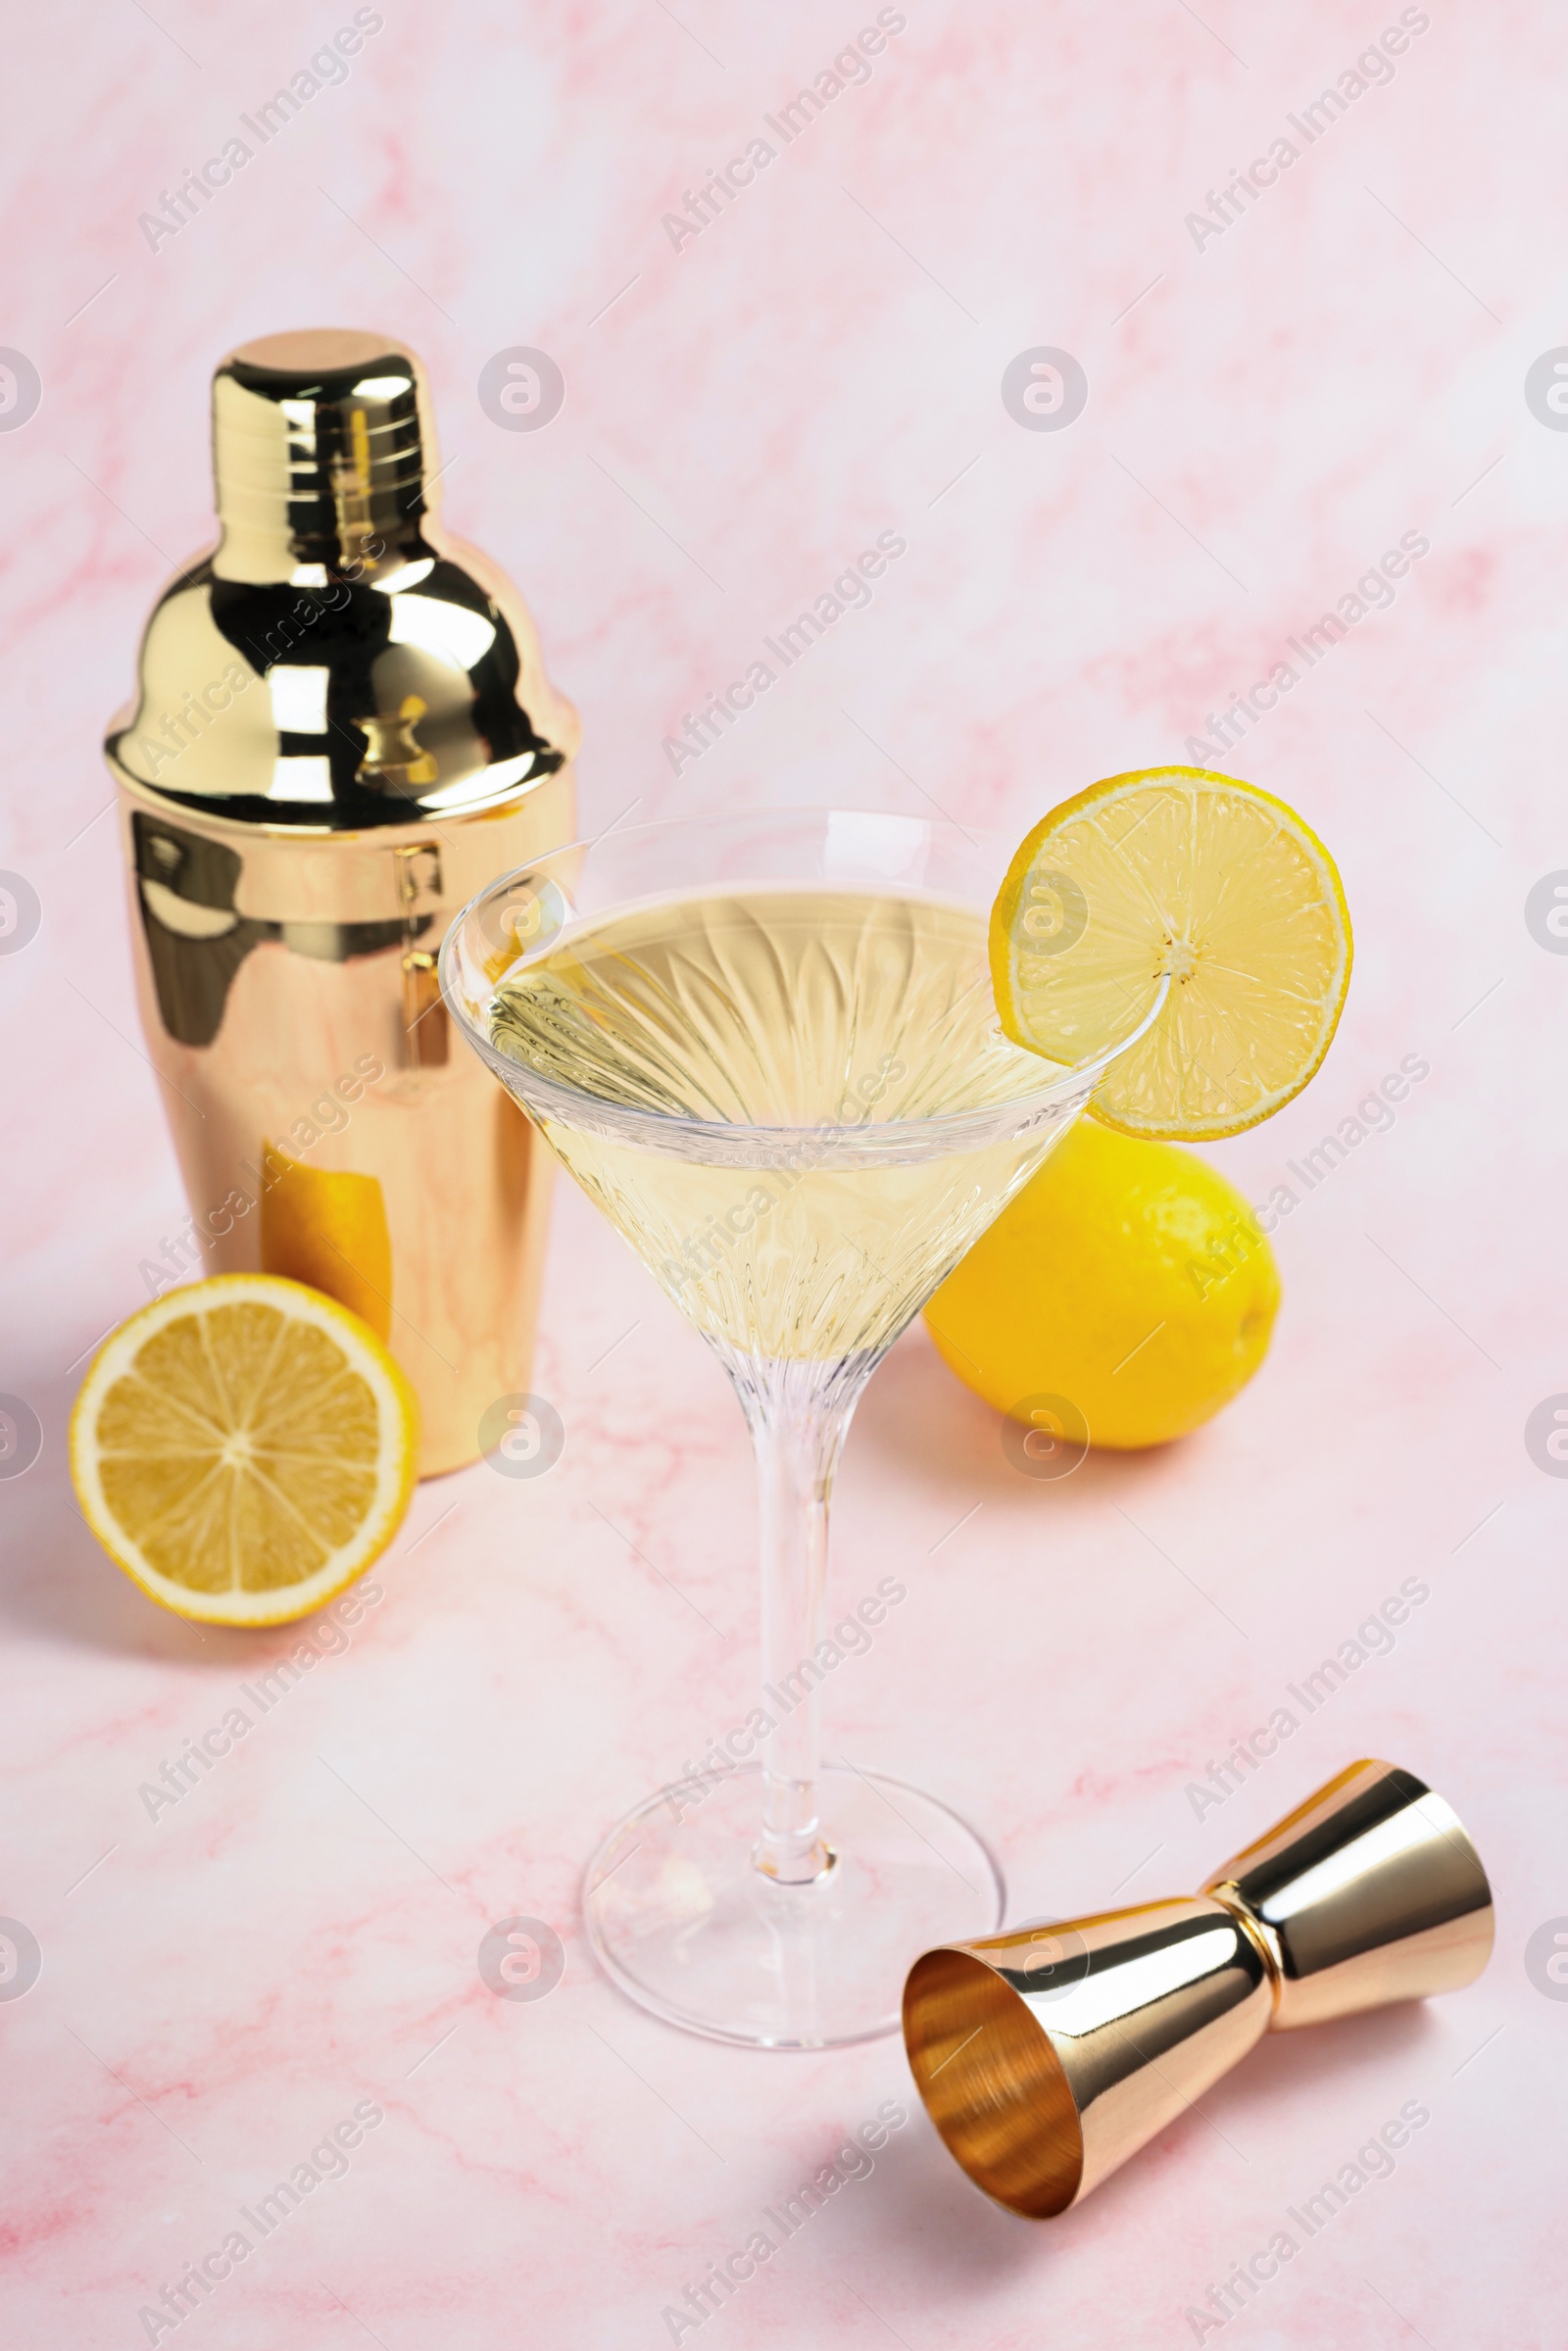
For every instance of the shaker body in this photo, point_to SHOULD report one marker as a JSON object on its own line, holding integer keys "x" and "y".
{"x": 327, "y": 1127}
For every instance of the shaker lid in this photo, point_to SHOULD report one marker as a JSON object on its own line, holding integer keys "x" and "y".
{"x": 319, "y": 448}
{"x": 337, "y": 662}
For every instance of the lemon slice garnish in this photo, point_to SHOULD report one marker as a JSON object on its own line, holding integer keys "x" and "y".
{"x": 1173, "y": 875}
{"x": 244, "y": 1447}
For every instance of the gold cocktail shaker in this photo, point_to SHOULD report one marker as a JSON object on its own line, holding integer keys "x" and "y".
{"x": 342, "y": 730}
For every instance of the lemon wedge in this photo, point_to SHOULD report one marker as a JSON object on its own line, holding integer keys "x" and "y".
{"x": 243, "y": 1447}
{"x": 1175, "y": 875}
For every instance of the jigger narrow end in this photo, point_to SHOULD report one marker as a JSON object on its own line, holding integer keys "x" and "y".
{"x": 1368, "y": 1894}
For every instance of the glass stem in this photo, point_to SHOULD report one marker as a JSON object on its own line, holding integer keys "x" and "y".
{"x": 798, "y": 1414}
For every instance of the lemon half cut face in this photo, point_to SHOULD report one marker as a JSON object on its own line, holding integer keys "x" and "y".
{"x": 244, "y": 1447}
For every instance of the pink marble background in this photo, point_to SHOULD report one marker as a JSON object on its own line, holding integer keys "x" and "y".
{"x": 1268, "y": 411}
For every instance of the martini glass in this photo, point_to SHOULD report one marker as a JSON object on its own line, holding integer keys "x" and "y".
{"x": 766, "y": 1047}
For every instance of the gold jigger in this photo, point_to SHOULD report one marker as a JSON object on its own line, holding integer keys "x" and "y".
{"x": 1048, "y": 2055}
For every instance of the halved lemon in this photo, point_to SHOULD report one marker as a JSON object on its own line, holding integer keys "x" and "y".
{"x": 1173, "y": 873}
{"x": 244, "y": 1447}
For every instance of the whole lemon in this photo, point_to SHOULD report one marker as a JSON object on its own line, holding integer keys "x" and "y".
{"x": 1128, "y": 1278}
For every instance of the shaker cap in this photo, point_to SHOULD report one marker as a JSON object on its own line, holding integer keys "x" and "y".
{"x": 338, "y": 663}
{"x": 320, "y": 444}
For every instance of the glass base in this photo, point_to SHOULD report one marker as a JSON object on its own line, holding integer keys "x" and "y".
{"x": 683, "y": 1920}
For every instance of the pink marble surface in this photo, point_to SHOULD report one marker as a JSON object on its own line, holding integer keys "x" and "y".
{"x": 1270, "y": 407}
